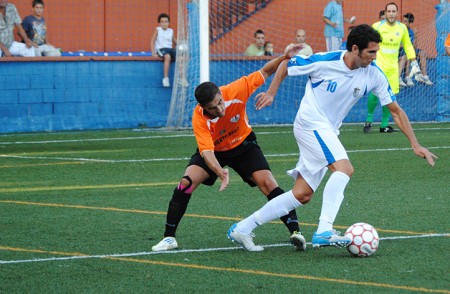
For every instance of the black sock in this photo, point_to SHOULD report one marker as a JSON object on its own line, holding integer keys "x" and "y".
{"x": 177, "y": 207}
{"x": 290, "y": 220}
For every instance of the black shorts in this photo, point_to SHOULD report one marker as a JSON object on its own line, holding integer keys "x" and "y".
{"x": 163, "y": 51}
{"x": 245, "y": 159}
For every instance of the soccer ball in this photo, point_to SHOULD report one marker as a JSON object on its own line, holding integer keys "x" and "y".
{"x": 364, "y": 239}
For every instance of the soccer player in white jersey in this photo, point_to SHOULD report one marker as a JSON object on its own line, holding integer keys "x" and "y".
{"x": 337, "y": 80}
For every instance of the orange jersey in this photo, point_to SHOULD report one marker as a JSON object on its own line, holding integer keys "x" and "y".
{"x": 229, "y": 131}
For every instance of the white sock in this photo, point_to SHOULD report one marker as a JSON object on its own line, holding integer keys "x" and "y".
{"x": 272, "y": 210}
{"x": 333, "y": 195}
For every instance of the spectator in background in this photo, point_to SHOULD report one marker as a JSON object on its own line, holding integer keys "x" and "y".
{"x": 300, "y": 37}
{"x": 257, "y": 48}
{"x": 408, "y": 19}
{"x": 447, "y": 44}
{"x": 162, "y": 45}
{"x": 381, "y": 15}
{"x": 9, "y": 19}
{"x": 334, "y": 24}
{"x": 36, "y": 30}
{"x": 268, "y": 49}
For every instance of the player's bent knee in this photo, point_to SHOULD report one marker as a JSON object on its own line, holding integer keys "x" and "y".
{"x": 185, "y": 185}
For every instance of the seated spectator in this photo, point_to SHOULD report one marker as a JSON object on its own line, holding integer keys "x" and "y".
{"x": 300, "y": 37}
{"x": 162, "y": 45}
{"x": 34, "y": 26}
{"x": 268, "y": 49}
{"x": 257, "y": 48}
{"x": 11, "y": 19}
{"x": 408, "y": 19}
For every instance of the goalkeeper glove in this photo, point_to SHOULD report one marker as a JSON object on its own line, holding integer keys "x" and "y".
{"x": 415, "y": 69}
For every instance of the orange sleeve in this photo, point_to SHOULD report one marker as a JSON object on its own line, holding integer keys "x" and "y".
{"x": 244, "y": 87}
{"x": 201, "y": 131}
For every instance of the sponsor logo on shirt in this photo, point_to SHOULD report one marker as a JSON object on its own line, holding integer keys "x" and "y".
{"x": 235, "y": 118}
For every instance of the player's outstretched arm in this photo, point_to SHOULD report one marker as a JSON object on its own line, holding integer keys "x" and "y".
{"x": 402, "y": 121}
{"x": 264, "y": 99}
{"x": 271, "y": 67}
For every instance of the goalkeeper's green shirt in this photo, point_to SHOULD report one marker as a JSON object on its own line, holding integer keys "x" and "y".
{"x": 392, "y": 37}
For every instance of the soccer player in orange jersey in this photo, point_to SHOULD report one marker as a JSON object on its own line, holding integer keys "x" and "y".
{"x": 225, "y": 138}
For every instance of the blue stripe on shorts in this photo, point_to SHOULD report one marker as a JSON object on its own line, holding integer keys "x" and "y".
{"x": 326, "y": 151}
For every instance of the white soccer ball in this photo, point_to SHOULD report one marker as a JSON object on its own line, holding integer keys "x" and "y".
{"x": 364, "y": 239}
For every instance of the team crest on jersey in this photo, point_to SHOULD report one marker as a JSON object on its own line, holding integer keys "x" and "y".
{"x": 235, "y": 118}
{"x": 356, "y": 92}
{"x": 222, "y": 132}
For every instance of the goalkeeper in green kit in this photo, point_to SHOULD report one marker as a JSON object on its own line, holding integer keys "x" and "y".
{"x": 393, "y": 33}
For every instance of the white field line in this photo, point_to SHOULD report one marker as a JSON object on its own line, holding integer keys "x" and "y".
{"x": 189, "y": 250}
{"x": 187, "y": 158}
{"x": 163, "y": 136}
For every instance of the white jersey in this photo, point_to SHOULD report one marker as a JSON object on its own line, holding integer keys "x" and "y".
{"x": 333, "y": 89}
{"x": 164, "y": 38}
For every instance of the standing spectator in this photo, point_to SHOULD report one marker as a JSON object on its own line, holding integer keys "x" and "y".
{"x": 336, "y": 81}
{"x": 447, "y": 44}
{"x": 394, "y": 34}
{"x": 334, "y": 24}
{"x": 9, "y": 19}
{"x": 268, "y": 49}
{"x": 36, "y": 29}
{"x": 408, "y": 19}
{"x": 162, "y": 45}
{"x": 257, "y": 48}
{"x": 300, "y": 38}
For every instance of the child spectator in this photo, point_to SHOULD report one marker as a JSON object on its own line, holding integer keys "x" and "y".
{"x": 36, "y": 30}
{"x": 162, "y": 43}
{"x": 268, "y": 49}
{"x": 9, "y": 20}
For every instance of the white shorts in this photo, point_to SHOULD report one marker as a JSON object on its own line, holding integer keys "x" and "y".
{"x": 318, "y": 149}
{"x": 333, "y": 43}
{"x": 46, "y": 50}
{"x": 20, "y": 49}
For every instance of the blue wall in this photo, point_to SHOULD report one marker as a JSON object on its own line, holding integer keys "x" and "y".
{"x": 97, "y": 94}
{"x": 77, "y": 95}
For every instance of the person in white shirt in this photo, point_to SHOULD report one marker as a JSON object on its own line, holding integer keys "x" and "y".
{"x": 162, "y": 45}
{"x": 337, "y": 80}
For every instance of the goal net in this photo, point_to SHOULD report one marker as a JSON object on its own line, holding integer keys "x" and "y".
{"x": 232, "y": 24}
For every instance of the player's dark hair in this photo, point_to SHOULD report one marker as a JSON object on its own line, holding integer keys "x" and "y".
{"x": 382, "y": 12}
{"x": 206, "y": 92}
{"x": 258, "y": 32}
{"x": 36, "y": 2}
{"x": 163, "y": 15}
{"x": 409, "y": 16}
{"x": 390, "y": 3}
{"x": 361, "y": 35}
